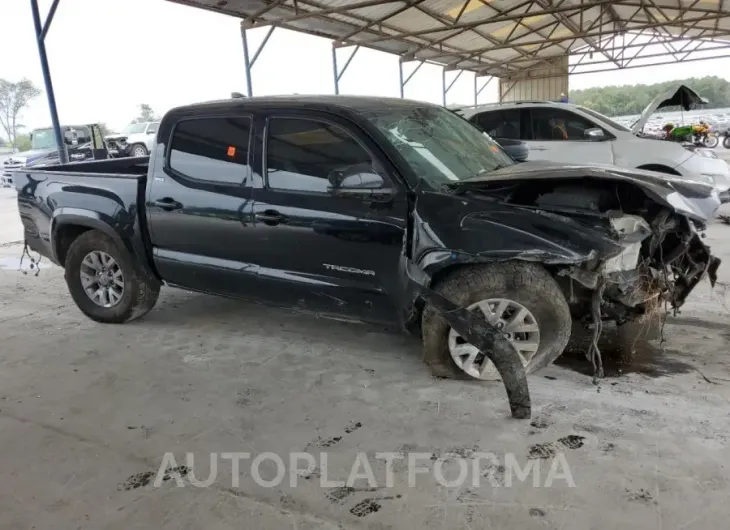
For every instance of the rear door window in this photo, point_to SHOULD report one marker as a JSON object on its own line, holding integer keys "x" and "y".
{"x": 499, "y": 123}
{"x": 558, "y": 125}
{"x": 212, "y": 149}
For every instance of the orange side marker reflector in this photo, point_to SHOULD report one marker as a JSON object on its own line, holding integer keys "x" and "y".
{"x": 231, "y": 151}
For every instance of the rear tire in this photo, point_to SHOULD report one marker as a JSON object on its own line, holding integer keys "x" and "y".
{"x": 726, "y": 142}
{"x": 711, "y": 141}
{"x": 139, "y": 293}
{"x": 527, "y": 284}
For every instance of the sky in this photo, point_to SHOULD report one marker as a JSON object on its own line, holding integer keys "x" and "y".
{"x": 108, "y": 56}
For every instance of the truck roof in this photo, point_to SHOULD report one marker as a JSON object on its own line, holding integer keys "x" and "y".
{"x": 324, "y": 102}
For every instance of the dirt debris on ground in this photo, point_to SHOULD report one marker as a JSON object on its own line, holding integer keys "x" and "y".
{"x": 89, "y": 412}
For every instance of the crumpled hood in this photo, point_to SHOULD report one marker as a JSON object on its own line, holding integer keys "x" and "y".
{"x": 27, "y": 157}
{"x": 680, "y": 95}
{"x": 693, "y": 198}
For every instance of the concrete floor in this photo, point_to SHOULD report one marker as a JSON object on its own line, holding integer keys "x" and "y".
{"x": 86, "y": 410}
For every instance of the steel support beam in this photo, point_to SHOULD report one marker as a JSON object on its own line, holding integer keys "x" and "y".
{"x": 629, "y": 67}
{"x": 582, "y": 36}
{"x": 337, "y": 74}
{"x": 40, "y": 35}
{"x": 404, "y": 82}
{"x": 446, "y": 87}
{"x": 655, "y": 40}
{"x": 248, "y": 61}
{"x": 478, "y": 90}
{"x": 490, "y": 20}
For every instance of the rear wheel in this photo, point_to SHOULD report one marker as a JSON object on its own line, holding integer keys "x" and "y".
{"x": 522, "y": 299}
{"x": 726, "y": 142}
{"x": 105, "y": 283}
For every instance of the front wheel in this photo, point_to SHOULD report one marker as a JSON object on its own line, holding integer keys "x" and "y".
{"x": 138, "y": 150}
{"x": 105, "y": 283}
{"x": 520, "y": 298}
{"x": 711, "y": 141}
{"x": 726, "y": 142}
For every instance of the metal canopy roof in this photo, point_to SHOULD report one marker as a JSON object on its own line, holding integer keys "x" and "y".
{"x": 504, "y": 37}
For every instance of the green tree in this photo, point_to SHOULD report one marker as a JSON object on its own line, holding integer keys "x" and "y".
{"x": 14, "y": 98}
{"x": 105, "y": 130}
{"x": 22, "y": 142}
{"x": 145, "y": 114}
{"x": 623, "y": 100}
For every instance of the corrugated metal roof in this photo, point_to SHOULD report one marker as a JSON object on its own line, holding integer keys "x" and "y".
{"x": 499, "y": 37}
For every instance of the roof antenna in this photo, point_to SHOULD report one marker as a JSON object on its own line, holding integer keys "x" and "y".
{"x": 236, "y": 95}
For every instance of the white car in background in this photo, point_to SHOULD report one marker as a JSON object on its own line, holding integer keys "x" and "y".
{"x": 570, "y": 134}
{"x": 137, "y": 139}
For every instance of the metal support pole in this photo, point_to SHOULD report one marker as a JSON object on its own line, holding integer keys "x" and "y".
{"x": 454, "y": 80}
{"x": 339, "y": 73}
{"x": 401, "y": 84}
{"x": 248, "y": 61}
{"x": 479, "y": 91}
{"x": 443, "y": 86}
{"x": 404, "y": 82}
{"x": 335, "y": 73}
{"x": 476, "y": 92}
{"x": 40, "y": 33}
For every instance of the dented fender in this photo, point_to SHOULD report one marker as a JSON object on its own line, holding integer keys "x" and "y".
{"x": 484, "y": 231}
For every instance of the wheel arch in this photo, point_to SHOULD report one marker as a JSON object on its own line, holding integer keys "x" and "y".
{"x": 659, "y": 168}
{"x": 69, "y": 223}
{"x": 441, "y": 274}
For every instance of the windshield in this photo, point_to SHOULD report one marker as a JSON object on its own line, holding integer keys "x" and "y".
{"x": 606, "y": 120}
{"x": 134, "y": 128}
{"x": 42, "y": 139}
{"x": 440, "y": 146}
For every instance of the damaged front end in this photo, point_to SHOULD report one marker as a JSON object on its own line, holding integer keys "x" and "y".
{"x": 622, "y": 245}
{"x": 660, "y": 262}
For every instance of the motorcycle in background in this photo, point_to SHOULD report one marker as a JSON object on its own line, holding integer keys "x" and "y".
{"x": 726, "y": 138}
{"x": 700, "y": 135}
{"x": 703, "y": 135}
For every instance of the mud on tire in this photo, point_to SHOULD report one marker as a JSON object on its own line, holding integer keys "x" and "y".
{"x": 140, "y": 292}
{"x": 526, "y": 283}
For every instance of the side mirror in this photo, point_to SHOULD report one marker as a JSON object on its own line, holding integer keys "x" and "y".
{"x": 595, "y": 135}
{"x": 360, "y": 181}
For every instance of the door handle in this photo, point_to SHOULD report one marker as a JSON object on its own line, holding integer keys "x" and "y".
{"x": 271, "y": 217}
{"x": 538, "y": 148}
{"x": 168, "y": 204}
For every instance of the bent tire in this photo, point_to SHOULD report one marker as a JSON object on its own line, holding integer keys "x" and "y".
{"x": 526, "y": 287}
{"x": 104, "y": 282}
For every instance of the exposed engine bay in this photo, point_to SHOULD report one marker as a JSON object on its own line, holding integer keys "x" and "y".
{"x": 653, "y": 256}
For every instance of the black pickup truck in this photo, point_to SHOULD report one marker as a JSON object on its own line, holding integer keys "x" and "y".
{"x": 355, "y": 207}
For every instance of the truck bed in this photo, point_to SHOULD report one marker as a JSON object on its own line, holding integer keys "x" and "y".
{"x": 115, "y": 167}
{"x": 106, "y": 195}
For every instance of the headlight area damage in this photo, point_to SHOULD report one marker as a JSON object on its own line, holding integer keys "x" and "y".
{"x": 621, "y": 245}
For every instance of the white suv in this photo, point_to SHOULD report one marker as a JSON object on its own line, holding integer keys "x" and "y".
{"x": 137, "y": 139}
{"x": 570, "y": 134}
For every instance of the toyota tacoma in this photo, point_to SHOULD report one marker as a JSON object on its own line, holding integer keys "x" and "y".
{"x": 362, "y": 208}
